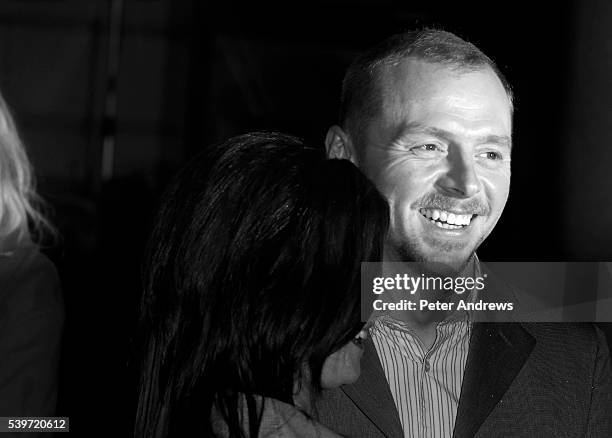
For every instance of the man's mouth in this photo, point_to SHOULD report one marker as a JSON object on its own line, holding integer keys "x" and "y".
{"x": 446, "y": 219}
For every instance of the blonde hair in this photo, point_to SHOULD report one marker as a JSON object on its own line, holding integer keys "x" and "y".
{"x": 20, "y": 217}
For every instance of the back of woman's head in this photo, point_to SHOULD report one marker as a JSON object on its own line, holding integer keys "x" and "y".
{"x": 19, "y": 216}
{"x": 252, "y": 278}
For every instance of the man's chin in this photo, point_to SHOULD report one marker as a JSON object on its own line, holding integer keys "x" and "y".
{"x": 447, "y": 264}
{"x": 454, "y": 254}
{"x": 441, "y": 260}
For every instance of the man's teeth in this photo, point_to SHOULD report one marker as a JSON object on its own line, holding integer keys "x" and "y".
{"x": 445, "y": 219}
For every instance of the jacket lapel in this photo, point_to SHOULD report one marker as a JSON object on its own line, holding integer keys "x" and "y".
{"x": 497, "y": 354}
{"x": 372, "y": 396}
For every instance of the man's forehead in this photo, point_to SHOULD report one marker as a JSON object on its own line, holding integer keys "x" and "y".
{"x": 400, "y": 85}
{"x": 411, "y": 80}
{"x": 418, "y": 74}
{"x": 408, "y": 68}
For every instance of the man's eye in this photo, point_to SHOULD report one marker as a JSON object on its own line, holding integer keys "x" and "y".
{"x": 492, "y": 155}
{"x": 428, "y": 147}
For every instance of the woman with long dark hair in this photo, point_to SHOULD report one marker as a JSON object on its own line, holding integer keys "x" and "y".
{"x": 252, "y": 290}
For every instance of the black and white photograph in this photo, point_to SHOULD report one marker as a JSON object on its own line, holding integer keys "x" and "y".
{"x": 307, "y": 219}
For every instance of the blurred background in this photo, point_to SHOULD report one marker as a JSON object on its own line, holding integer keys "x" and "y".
{"x": 113, "y": 96}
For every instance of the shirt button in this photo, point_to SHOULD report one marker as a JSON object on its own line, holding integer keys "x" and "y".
{"x": 426, "y": 366}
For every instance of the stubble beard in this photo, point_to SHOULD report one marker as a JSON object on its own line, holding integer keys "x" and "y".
{"x": 408, "y": 250}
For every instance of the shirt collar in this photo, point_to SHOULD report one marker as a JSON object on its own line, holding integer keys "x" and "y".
{"x": 383, "y": 317}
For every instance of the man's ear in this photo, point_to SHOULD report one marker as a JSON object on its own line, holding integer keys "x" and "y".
{"x": 338, "y": 144}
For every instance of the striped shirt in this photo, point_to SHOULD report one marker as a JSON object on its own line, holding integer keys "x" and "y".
{"x": 425, "y": 385}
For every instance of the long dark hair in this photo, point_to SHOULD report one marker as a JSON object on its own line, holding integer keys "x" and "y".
{"x": 251, "y": 277}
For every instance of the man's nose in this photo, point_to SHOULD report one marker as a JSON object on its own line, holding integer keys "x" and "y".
{"x": 459, "y": 179}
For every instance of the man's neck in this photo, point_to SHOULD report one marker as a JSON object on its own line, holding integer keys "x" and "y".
{"x": 424, "y": 321}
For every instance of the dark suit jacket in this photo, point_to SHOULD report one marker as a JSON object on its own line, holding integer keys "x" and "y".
{"x": 521, "y": 380}
{"x": 31, "y": 318}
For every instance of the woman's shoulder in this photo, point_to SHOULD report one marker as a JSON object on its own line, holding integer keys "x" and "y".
{"x": 284, "y": 420}
{"x": 28, "y": 279}
{"x": 278, "y": 420}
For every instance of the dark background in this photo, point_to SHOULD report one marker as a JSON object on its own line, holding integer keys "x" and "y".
{"x": 157, "y": 81}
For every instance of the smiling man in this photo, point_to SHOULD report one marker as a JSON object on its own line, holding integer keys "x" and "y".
{"x": 428, "y": 117}
{"x": 438, "y": 147}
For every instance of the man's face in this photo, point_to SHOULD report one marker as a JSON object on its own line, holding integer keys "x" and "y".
{"x": 440, "y": 152}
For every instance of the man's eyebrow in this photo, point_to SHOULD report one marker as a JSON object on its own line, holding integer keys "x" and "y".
{"x": 412, "y": 128}
{"x": 418, "y": 128}
{"x": 502, "y": 140}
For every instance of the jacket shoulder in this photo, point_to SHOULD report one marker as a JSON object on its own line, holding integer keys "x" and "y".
{"x": 577, "y": 335}
{"x": 30, "y": 282}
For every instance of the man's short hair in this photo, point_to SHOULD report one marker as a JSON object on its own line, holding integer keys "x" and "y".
{"x": 361, "y": 98}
